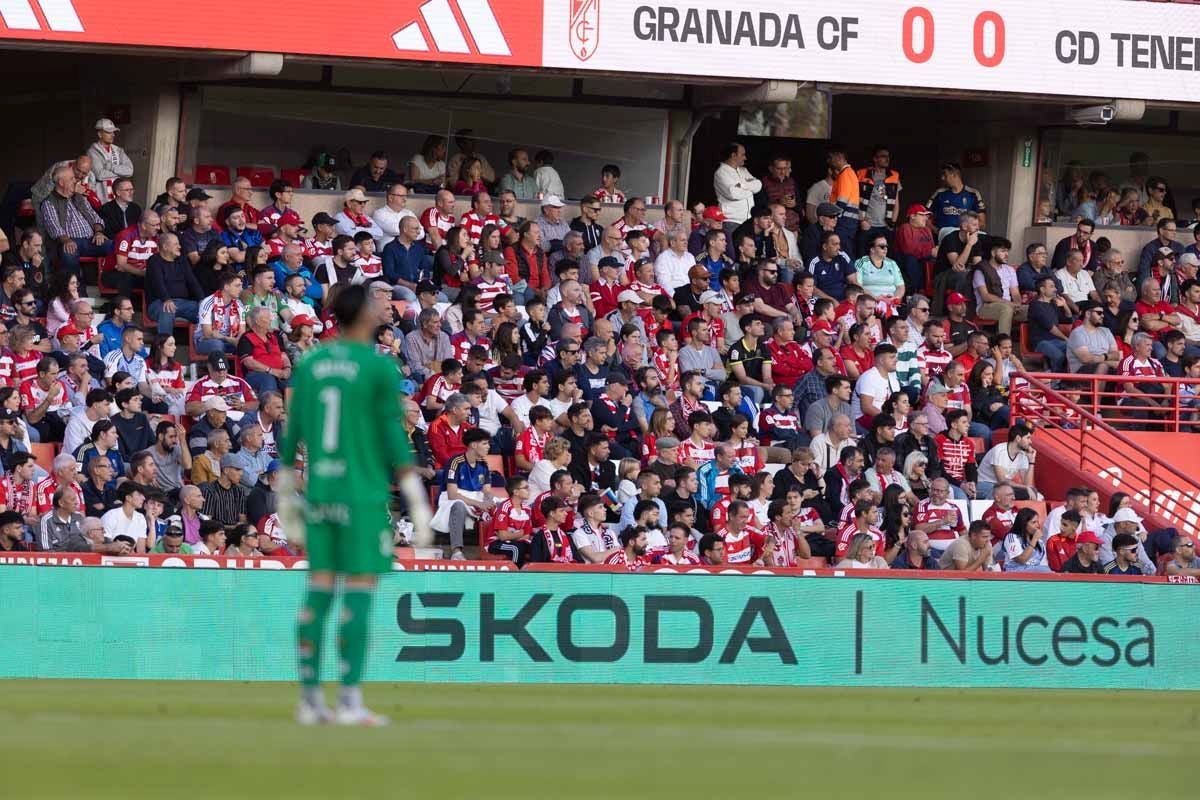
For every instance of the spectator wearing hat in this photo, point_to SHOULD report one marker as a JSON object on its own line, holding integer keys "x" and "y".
{"x": 958, "y": 254}
{"x": 553, "y": 227}
{"x": 318, "y": 248}
{"x": 215, "y": 411}
{"x": 612, "y": 413}
{"x": 711, "y": 219}
{"x": 607, "y": 288}
{"x": 110, "y": 162}
{"x": 225, "y": 497}
{"x": 735, "y": 187}
{"x": 826, "y": 216}
{"x": 324, "y": 174}
{"x": 288, "y": 229}
{"x": 172, "y": 289}
{"x": 172, "y": 543}
{"x": 236, "y": 392}
{"x": 263, "y": 500}
{"x": 406, "y": 260}
{"x": 1086, "y": 559}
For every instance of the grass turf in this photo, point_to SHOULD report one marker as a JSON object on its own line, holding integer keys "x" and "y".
{"x": 131, "y": 740}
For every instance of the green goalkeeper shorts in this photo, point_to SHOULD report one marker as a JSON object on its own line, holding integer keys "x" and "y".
{"x": 348, "y": 540}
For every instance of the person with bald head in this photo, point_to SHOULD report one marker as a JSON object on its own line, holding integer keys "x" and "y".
{"x": 291, "y": 262}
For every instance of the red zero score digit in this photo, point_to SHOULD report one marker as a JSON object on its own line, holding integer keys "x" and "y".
{"x": 984, "y": 19}
{"x": 997, "y": 23}
{"x": 910, "y": 16}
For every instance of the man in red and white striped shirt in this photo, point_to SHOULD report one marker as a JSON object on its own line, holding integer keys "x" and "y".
{"x": 481, "y": 215}
{"x": 956, "y": 452}
{"x": 438, "y": 219}
{"x": 698, "y": 448}
{"x": 743, "y": 544}
{"x": 1002, "y": 513}
{"x": 492, "y": 282}
{"x": 938, "y": 517}
{"x": 1140, "y": 394}
{"x": 932, "y": 356}
{"x": 633, "y": 557}
{"x": 133, "y": 248}
{"x": 739, "y": 487}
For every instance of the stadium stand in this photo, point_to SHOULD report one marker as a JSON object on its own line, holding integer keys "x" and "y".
{"x": 812, "y": 395}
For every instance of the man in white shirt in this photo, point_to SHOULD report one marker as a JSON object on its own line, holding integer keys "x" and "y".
{"x": 1009, "y": 462}
{"x": 98, "y": 404}
{"x": 1076, "y": 281}
{"x": 672, "y": 265}
{"x": 735, "y": 186}
{"x": 875, "y": 386}
{"x": 388, "y": 217}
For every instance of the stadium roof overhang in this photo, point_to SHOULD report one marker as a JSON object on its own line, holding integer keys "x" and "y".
{"x": 1072, "y": 50}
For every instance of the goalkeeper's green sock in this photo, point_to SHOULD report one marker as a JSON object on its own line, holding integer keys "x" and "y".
{"x": 310, "y": 628}
{"x": 352, "y": 634}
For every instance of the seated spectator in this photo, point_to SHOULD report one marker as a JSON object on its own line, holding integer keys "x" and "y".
{"x": 1125, "y": 559}
{"x": 221, "y": 318}
{"x": 1035, "y": 267}
{"x": 526, "y": 263}
{"x": 260, "y": 349}
{"x": 12, "y": 533}
{"x": 427, "y": 168}
{"x": 100, "y": 489}
{"x": 102, "y": 443}
{"x": 1091, "y": 348}
{"x": 172, "y": 290}
{"x": 997, "y": 294}
{"x": 1125, "y": 521}
{"x": 43, "y": 397}
{"x": 212, "y": 539}
{"x": 236, "y": 393}
{"x": 126, "y": 520}
{"x": 861, "y": 553}
{"x": 207, "y": 465}
{"x": 970, "y": 553}
{"x": 376, "y": 175}
{"x": 915, "y": 243}
{"x": 466, "y": 491}
{"x": 240, "y": 234}
{"x": 172, "y": 542}
{"x": 1061, "y": 546}
{"x": 915, "y": 553}
{"x": 1185, "y": 562}
{"x": 1024, "y": 550}
{"x": 1085, "y": 561}
{"x": 71, "y": 221}
{"x": 447, "y": 431}
{"x": 251, "y": 457}
{"x": 831, "y": 268}
{"x": 958, "y": 255}
{"x": 121, "y": 211}
{"x": 1113, "y": 273}
{"x": 225, "y": 497}
{"x": 62, "y": 529}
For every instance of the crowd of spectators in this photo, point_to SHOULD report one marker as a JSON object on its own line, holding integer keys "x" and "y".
{"x": 766, "y": 381}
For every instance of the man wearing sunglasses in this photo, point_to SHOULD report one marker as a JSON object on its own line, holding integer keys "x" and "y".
{"x": 1186, "y": 561}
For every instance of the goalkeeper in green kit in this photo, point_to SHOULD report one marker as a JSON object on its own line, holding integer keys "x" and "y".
{"x": 346, "y": 411}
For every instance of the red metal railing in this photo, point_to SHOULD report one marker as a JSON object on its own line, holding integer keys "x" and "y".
{"x": 1080, "y": 425}
{"x": 1171, "y": 405}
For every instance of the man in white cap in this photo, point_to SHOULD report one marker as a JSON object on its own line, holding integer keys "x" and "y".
{"x": 353, "y": 217}
{"x": 109, "y": 161}
{"x": 1126, "y": 520}
{"x": 628, "y": 303}
{"x": 552, "y": 225}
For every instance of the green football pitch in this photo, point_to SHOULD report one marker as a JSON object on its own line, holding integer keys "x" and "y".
{"x": 129, "y": 740}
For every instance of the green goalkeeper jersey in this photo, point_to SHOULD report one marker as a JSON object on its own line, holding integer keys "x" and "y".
{"x": 346, "y": 410}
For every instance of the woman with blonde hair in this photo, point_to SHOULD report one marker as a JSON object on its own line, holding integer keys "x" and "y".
{"x": 556, "y": 455}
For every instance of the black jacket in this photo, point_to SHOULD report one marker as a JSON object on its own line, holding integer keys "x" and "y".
{"x": 606, "y": 479}
{"x": 115, "y": 220}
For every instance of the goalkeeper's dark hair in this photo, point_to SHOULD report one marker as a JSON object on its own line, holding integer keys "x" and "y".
{"x": 350, "y": 304}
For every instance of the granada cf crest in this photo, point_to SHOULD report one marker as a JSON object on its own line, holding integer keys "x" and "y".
{"x": 584, "y": 28}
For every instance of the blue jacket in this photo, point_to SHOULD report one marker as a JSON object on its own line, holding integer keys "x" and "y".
{"x": 246, "y": 239}
{"x": 312, "y": 289}
{"x": 411, "y": 263}
{"x": 707, "y": 476}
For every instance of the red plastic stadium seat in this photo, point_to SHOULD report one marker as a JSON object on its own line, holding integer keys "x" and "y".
{"x": 977, "y": 443}
{"x": 1040, "y": 506}
{"x": 260, "y": 177}
{"x": 1028, "y": 354}
{"x": 43, "y": 454}
{"x": 293, "y": 176}
{"x": 496, "y": 464}
{"x": 213, "y": 175}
